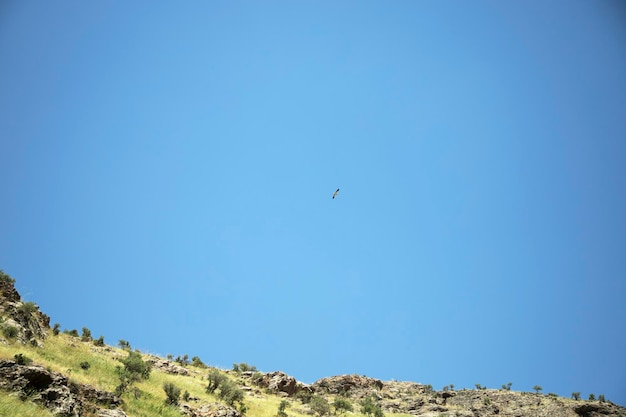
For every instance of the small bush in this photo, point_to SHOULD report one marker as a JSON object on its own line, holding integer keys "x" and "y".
{"x": 184, "y": 360}
{"x": 319, "y": 405}
{"x": 507, "y": 387}
{"x": 601, "y": 398}
{"x": 10, "y": 332}
{"x": 27, "y": 308}
{"x": 243, "y": 367}
{"x": 20, "y": 359}
{"x": 215, "y": 378}
{"x": 195, "y": 361}
{"x": 136, "y": 366}
{"x": 230, "y": 392}
{"x": 172, "y": 393}
{"x": 123, "y": 344}
{"x": 487, "y": 401}
{"x": 73, "y": 332}
{"x": 6, "y": 278}
{"x": 85, "y": 365}
{"x": 304, "y": 396}
{"x": 537, "y": 388}
{"x": 186, "y": 395}
{"x": 99, "y": 341}
{"x": 86, "y": 337}
{"x": 369, "y": 408}
{"x": 342, "y": 405}
{"x": 284, "y": 404}
{"x": 56, "y": 329}
{"x": 592, "y": 397}
{"x": 576, "y": 395}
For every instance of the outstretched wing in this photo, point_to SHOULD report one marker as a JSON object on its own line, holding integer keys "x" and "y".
{"x": 335, "y": 193}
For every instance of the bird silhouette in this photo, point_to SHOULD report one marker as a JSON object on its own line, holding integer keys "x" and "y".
{"x": 335, "y": 193}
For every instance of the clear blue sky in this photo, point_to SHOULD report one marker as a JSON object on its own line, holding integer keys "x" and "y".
{"x": 168, "y": 167}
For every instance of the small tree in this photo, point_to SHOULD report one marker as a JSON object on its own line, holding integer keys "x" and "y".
{"x": 10, "y": 332}
{"x": 369, "y": 408}
{"x": 601, "y": 398}
{"x": 284, "y": 404}
{"x": 592, "y": 397}
{"x": 56, "y": 329}
{"x": 342, "y": 405}
{"x": 85, "y": 365}
{"x": 507, "y": 387}
{"x": 73, "y": 332}
{"x": 86, "y": 337}
{"x": 123, "y": 344}
{"x": 230, "y": 392}
{"x": 537, "y": 388}
{"x": 215, "y": 378}
{"x": 451, "y": 387}
{"x": 576, "y": 395}
{"x": 319, "y": 405}
{"x": 195, "y": 361}
{"x": 172, "y": 393}
{"x": 99, "y": 341}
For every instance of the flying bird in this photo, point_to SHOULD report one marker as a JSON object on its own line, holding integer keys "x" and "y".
{"x": 335, "y": 193}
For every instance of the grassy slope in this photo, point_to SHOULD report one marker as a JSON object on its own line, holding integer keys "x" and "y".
{"x": 64, "y": 354}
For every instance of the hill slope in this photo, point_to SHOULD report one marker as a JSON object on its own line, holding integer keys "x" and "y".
{"x": 44, "y": 372}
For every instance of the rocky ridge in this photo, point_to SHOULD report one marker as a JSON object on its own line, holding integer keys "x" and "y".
{"x": 65, "y": 398}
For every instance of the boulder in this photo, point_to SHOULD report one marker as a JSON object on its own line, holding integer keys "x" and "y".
{"x": 209, "y": 410}
{"x": 279, "y": 382}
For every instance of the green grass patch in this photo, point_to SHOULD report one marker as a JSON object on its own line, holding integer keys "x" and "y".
{"x": 10, "y": 405}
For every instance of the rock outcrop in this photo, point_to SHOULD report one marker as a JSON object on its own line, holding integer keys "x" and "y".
{"x": 209, "y": 410}
{"x": 53, "y": 391}
{"x": 167, "y": 366}
{"x": 31, "y": 325}
{"x": 353, "y": 385}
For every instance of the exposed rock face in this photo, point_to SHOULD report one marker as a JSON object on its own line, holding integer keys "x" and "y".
{"x": 53, "y": 391}
{"x": 167, "y": 366}
{"x": 279, "y": 382}
{"x": 32, "y": 325}
{"x": 209, "y": 410}
{"x": 347, "y": 384}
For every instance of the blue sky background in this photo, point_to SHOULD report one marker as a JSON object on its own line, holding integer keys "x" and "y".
{"x": 167, "y": 172}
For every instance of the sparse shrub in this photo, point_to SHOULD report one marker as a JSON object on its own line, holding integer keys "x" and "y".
{"x": 136, "y": 365}
{"x": 27, "y": 308}
{"x": 445, "y": 388}
{"x": 172, "y": 393}
{"x": 230, "y": 393}
{"x": 592, "y": 397}
{"x": 537, "y": 388}
{"x": 601, "y": 398}
{"x": 6, "y": 278}
{"x": 487, "y": 401}
{"x": 342, "y": 405}
{"x": 135, "y": 369}
{"x": 451, "y": 387}
{"x": 85, "y": 365}
{"x": 553, "y": 395}
{"x": 73, "y": 332}
{"x": 215, "y": 379}
{"x": 123, "y": 344}
{"x": 86, "y": 337}
{"x": 478, "y": 386}
{"x": 170, "y": 357}
{"x": 369, "y": 408}
{"x": 10, "y": 332}
{"x": 243, "y": 367}
{"x": 319, "y": 405}
{"x": 428, "y": 388}
{"x": 20, "y": 359}
{"x": 99, "y": 341}
{"x": 576, "y": 395}
{"x": 304, "y": 396}
{"x": 284, "y": 404}
{"x": 56, "y": 329}
{"x": 183, "y": 360}
{"x": 195, "y": 361}
{"x": 507, "y": 387}
{"x": 186, "y": 395}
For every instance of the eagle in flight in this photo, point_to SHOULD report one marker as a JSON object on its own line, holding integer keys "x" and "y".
{"x": 335, "y": 193}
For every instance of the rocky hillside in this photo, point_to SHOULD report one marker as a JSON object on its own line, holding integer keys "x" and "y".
{"x": 50, "y": 373}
